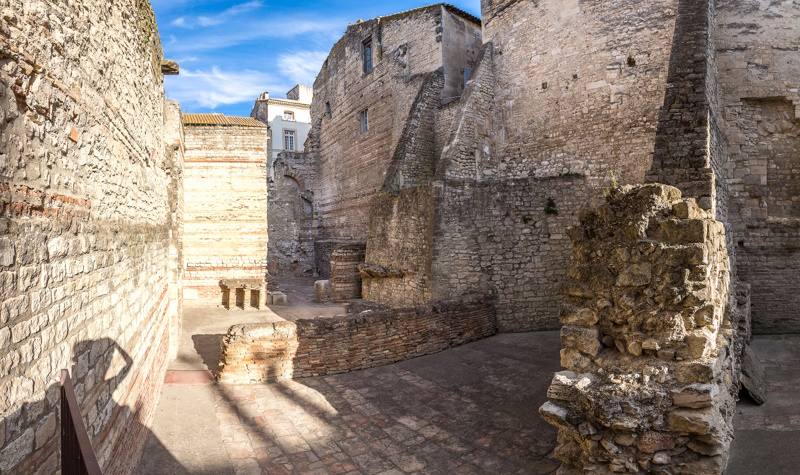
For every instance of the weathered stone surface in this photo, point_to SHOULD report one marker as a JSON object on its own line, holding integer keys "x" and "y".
{"x": 91, "y": 224}
{"x": 652, "y": 442}
{"x": 585, "y": 340}
{"x": 696, "y": 396}
{"x": 665, "y": 377}
{"x": 753, "y": 378}
{"x": 169, "y": 67}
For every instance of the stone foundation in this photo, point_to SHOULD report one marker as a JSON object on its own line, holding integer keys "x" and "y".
{"x": 286, "y": 350}
{"x": 648, "y": 339}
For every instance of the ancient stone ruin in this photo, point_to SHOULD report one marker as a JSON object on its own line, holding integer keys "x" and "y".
{"x": 625, "y": 172}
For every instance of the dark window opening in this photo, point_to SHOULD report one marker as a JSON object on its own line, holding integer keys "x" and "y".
{"x": 328, "y": 109}
{"x": 363, "y": 119}
{"x": 367, "y": 55}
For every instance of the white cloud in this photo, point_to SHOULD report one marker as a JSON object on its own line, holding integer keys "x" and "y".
{"x": 209, "y": 89}
{"x": 302, "y": 67}
{"x": 283, "y": 28}
{"x": 206, "y": 21}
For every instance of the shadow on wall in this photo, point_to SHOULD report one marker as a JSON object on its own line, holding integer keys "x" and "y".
{"x": 32, "y": 431}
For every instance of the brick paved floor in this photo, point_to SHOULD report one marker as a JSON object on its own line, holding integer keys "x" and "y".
{"x": 472, "y": 409}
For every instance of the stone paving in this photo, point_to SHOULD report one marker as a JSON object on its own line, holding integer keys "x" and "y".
{"x": 767, "y": 437}
{"x": 472, "y": 409}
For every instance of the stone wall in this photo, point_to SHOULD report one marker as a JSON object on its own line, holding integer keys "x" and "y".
{"x": 285, "y": 350}
{"x": 225, "y": 230}
{"x": 578, "y": 86}
{"x": 291, "y": 243}
{"x": 87, "y": 206}
{"x": 351, "y": 165}
{"x": 758, "y": 83}
{"x": 508, "y": 239}
{"x": 688, "y": 151}
{"x": 397, "y": 269}
{"x": 649, "y": 339}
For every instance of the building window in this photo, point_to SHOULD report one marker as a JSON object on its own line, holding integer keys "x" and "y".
{"x": 328, "y": 109}
{"x": 288, "y": 115}
{"x": 363, "y": 119}
{"x": 288, "y": 140}
{"x": 367, "y": 55}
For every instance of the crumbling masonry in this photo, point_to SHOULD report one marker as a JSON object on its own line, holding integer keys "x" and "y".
{"x": 640, "y": 156}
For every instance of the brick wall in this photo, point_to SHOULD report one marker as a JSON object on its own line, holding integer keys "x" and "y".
{"x": 85, "y": 221}
{"x": 225, "y": 227}
{"x": 285, "y": 350}
{"x": 345, "y": 277}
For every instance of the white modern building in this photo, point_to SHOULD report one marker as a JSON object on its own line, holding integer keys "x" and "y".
{"x": 289, "y": 120}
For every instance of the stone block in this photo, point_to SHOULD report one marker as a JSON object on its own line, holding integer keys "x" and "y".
{"x": 585, "y": 340}
{"x": 753, "y": 377}
{"x": 696, "y": 396}
{"x": 279, "y": 298}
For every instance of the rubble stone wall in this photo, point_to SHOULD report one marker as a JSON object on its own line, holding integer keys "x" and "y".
{"x": 648, "y": 336}
{"x": 85, "y": 223}
{"x": 758, "y": 82}
{"x": 286, "y": 350}
{"x": 291, "y": 243}
{"x": 225, "y": 226}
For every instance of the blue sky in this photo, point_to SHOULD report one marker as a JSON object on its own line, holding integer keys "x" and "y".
{"x": 232, "y": 51}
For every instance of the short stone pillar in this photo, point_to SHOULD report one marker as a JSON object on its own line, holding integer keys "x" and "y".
{"x": 322, "y": 290}
{"x": 648, "y": 341}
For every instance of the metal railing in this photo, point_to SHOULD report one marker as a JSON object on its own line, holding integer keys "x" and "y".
{"x": 77, "y": 455}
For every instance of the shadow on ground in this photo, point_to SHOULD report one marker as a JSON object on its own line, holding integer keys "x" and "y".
{"x": 471, "y": 409}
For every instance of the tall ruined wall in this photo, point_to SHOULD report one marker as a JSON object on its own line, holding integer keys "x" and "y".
{"x": 225, "y": 225}
{"x": 757, "y": 44}
{"x": 84, "y": 227}
{"x": 291, "y": 243}
{"x": 351, "y": 165}
{"x": 579, "y": 85}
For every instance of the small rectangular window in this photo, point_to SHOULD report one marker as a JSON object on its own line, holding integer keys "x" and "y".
{"x": 288, "y": 140}
{"x": 367, "y": 55}
{"x": 467, "y": 72}
{"x": 288, "y": 115}
{"x": 363, "y": 119}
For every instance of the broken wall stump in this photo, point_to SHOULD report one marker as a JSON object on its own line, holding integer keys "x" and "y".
{"x": 648, "y": 345}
